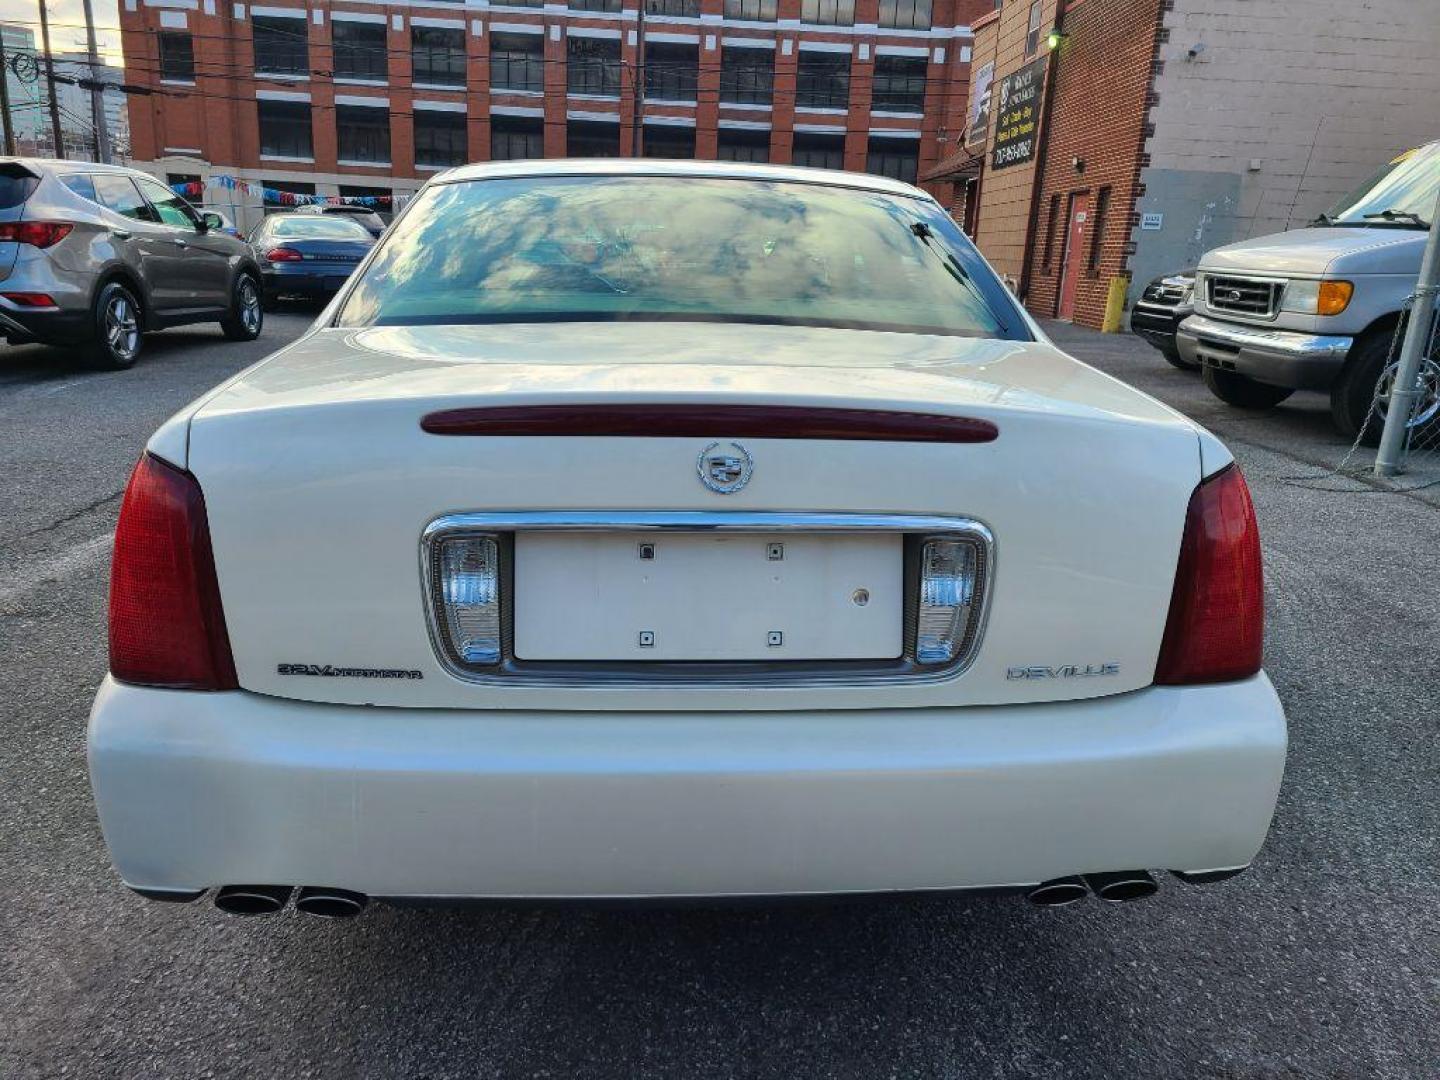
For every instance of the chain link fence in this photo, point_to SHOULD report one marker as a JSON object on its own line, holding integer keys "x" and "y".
{"x": 1421, "y": 446}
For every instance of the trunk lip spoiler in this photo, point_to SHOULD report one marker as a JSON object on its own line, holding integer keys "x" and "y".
{"x": 696, "y": 420}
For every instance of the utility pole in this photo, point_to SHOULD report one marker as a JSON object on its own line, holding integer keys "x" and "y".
{"x": 5, "y": 99}
{"x": 97, "y": 96}
{"x": 1404, "y": 388}
{"x": 50, "y": 84}
{"x": 637, "y": 77}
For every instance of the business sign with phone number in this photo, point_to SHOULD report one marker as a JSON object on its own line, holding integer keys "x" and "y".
{"x": 1018, "y": 105}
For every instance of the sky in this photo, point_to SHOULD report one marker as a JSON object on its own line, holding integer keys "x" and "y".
{"x": 67, "y": 24}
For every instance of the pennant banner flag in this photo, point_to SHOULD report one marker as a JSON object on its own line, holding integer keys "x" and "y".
{"x": 194, "y": 190}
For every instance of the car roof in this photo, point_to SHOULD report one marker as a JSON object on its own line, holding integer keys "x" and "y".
{"x": 56, "y": 165}
{"x": 726, "y": 170}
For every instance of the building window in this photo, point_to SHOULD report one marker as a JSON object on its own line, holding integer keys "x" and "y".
{"x": 518, "y": 3}
{"x": 668, "y": 141}
{"x": 593, "y": 65}
{"x": 751, "y": 10}
{"x": 516, "y": 138}
{"x": 175, "y": 179}
{"x": 828, "y": 12}
{"x": 1032, "y": 31}
{"x": 437, "y": 55}
{"x": 1052, "y": 218}
{"x": 743, "y": 144}
{"x": 899, "y": 83}
{"x": 177, "y": 56}
{"x": 592, "y": 138}
{"x": 822, "y": 80}
{"x": 818, "y": 151}
{"x": 905, "y": 14}
{"x": 517, "y": 62}
{"x": 1097, "y": 227}
{"x": 898, "y": 159}
{"x": 671, "y": 71}
{"x": 270, "y": 205}
{"x": 285, "y": 129}
{"x": 685, "y": 9}
{"x": 440, "y": 138}
{"x": 747, "y": 76}
{"x": 594, "y": 5}
{"x": 360, "y": 50}
{"x": 363, "y": 134}
{"x": 281, "y": 47}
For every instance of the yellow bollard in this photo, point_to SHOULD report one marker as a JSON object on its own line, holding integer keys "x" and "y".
{"x": 1115, "y": 305}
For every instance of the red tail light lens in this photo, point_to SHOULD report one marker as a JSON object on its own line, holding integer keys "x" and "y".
{"x": 283, "y": 254}
{"x": 1216, "y": 628}
{"x": 30, "y": 299}
{"x": 40, "y": 234}
{"x": 167, "y": 627}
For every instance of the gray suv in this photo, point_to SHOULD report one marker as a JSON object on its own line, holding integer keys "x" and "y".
{"x": 95, "y": 255}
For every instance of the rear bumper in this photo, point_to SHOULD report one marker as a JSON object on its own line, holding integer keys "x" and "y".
{"x": 1278, "y": 357}
{"x": 302, "y": 281}
{"x": 50, "y": 326}
{"x": 198, "y": 790}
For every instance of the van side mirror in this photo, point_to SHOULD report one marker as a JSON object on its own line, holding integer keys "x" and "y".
{"x": 212, "y": 221}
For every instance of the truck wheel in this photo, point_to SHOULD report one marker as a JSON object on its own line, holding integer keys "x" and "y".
{"x": 247, "y": 314}
{"x": 1242, "y": 391}
{"x": 118, "y": 323}
{"x": 1371, "y": 368}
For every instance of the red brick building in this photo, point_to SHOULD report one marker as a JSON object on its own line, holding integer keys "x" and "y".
{"x": 359, "y": 98}
{"x": 1059, "y": 176}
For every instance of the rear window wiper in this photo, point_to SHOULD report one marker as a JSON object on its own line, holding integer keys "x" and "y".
{"x": 925, "y": 235}
{"x": 1399, "y": 215}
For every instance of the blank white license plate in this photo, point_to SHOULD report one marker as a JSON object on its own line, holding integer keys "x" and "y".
{"x": 708, "y": 596}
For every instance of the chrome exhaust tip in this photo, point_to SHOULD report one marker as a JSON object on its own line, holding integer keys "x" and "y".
{"x": 330, "y": 903}
{"x": 252, "y": 899}
{"x": 1057, "y": 892}
{"x": 1118, "y": 886}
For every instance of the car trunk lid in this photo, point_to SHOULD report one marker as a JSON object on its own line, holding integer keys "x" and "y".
{"x": 17, "y": 183}
{"x": 321, "y": 481}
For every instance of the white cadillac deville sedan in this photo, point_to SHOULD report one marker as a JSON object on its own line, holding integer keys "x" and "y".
{"x": 652, "y": 530}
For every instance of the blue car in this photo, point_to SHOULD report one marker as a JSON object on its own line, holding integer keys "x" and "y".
{"x": 304, "y": 255}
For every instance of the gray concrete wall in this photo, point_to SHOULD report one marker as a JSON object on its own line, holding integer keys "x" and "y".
{"x": 1286, "y": 106}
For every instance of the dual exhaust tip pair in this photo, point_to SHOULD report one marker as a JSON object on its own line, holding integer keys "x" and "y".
{"x": 1115, "y": 887}
{"x": 268, "y": 899}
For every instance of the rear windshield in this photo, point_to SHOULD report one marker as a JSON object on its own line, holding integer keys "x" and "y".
{"x": 317, "y": 228}
{"x": 15, "y": 186}
{"x": 584, "y": 248}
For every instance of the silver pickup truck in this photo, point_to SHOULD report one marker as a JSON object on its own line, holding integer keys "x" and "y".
{"x": 1317, "y": 308}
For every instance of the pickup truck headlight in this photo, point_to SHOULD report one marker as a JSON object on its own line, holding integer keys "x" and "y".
{"x": 1317, "y": 297}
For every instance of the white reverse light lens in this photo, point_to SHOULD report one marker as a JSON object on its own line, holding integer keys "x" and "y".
{"x": 949, "y": 570}
{"x": 469, "y": 569}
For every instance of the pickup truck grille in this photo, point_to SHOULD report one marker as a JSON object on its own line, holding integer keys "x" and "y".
{"x": 1163, "y": 293}
{"x": 1255, "y": 297}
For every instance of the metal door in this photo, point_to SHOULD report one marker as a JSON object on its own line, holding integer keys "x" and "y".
{"x": 1074, "y": 253}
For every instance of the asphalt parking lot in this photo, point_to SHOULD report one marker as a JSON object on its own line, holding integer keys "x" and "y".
{"x": 1323, "y": 961}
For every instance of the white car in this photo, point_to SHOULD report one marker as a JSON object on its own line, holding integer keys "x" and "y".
{"x": 670, "y": 529}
